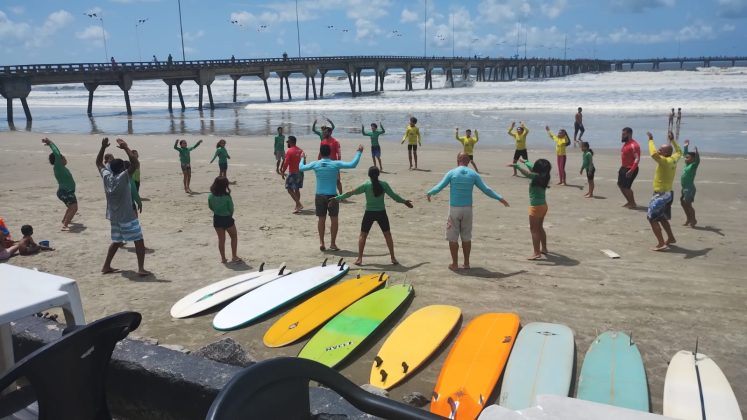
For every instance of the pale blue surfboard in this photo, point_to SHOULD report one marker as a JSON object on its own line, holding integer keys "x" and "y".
{"x": 613, "y": 373}
{"x": 541, "y": 362}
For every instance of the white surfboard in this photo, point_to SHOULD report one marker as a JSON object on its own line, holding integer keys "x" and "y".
{"x": 225, "y": 290}
{"x": 694, "y": 378}
{"x": 271, "y": 296}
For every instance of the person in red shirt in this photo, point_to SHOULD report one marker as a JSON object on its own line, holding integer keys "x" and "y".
{"x": 335, "y": 154}
{"x": 630, "y": 155}
{"x": 294, "y": 180}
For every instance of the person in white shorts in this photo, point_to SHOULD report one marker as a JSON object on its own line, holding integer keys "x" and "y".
{"x": 459, "y": 223}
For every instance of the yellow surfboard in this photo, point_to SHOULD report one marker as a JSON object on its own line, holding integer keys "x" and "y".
{"x": 314, "y": 312}
{"x": 411, "y": 343}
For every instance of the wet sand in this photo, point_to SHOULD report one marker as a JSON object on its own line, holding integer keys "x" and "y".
{"x": 666, "y": 300}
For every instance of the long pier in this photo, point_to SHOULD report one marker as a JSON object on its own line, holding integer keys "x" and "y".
{"x": 17, "y": 81}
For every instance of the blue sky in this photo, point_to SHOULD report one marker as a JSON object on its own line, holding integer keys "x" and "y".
{"x": 53, "y": 31}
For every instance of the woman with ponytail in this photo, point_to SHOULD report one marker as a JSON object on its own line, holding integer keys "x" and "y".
{"x": 539, "y": 173}
{"x": 375, "y": 210}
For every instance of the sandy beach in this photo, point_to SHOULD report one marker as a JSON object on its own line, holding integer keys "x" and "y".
{"x": 666, "y": 300}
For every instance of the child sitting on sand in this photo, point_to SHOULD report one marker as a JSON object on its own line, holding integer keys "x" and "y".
{"x": 27, "y": 246}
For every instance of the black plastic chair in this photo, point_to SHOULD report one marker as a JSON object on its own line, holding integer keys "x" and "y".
{"x": 68, "y": 376}
{"x": 279, "y": 389}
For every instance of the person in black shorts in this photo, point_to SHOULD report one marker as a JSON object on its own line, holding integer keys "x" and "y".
{"x": 375, "y": 210}
{"x": 578, "y": 127}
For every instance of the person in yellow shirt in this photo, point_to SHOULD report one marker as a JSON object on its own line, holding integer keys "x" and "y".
{"x": 660, "y": 206}
{"x": 412, "y": 135}
{"x": 520, "y": 136}
{"x": 469, "y": 145}
{"x": 561, "y": 142}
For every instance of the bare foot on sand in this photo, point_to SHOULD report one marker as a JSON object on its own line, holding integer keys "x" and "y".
{"x": 671, "y": 241}
{"x": 108, "y": 270}
{"x": 236, "y": 260}
{"x": 465, "y": 267}
{"x": 394, "y": 261}
{"x": 453, "y": 267}
{"x": 143, "y": 273}
{"x": 662, "y": 247}
{"x": 359, "y": 261}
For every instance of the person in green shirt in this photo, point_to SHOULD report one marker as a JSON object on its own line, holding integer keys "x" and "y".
{"x": 692, "y": 161}
{"x": 185, "y": 160}
{"x": 539, "y": 174}
{"x": 375, "y": 210}
{"x": 222, "y": 154}
{"x": 136, "y": 174}
{"x": 588, "y": 164}
{"x": 220, "y": 202}
{"x": 65, "y": 183}
{"x": 375, "y": 146}
{"x": 320, "y": 133}
{"x": 279, "y": 149}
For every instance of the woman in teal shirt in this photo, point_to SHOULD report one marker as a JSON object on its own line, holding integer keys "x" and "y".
{"x": 220, "y": 202}
{"x": 375, "y": 210}
{"x": 222, "y": 154}
{"x": 539, "y": 173}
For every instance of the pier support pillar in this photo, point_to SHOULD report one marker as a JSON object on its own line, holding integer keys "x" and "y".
{"x": 171, "y": 98}
{"x": 26, "y": 110}
{"x": 125, "y": 83}
{"x": 308, "y": 83}
{"x": 358, "y": 76}
{"x": 376, "y": 82}
{"x": 210, "y": 97}
{"x": 16, "y": 88}
{"x": 181, "y": 97}
{"x": 9, "y": 106}
{"x": 235, "y": 78}
{"x": 381, "y": 83}
{"x": 267, "y": 89}
{"x": 321, "y": 86}
{"x": 281, "y": 88}
{"x": 288, "y": 87}
{"x": 313, "y": 86}
{"x": 351, "y": 82}
{"x": 199, "y": 100}
{"x": 91, "y": 87}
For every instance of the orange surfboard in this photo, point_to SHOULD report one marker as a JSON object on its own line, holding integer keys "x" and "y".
{"x": 473, "y": 366}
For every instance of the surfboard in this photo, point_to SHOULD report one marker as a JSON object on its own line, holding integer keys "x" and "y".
{"x": 556, "y": 407}
{"x": 317, "y": 310}
{"x": 540, "y": 363}
{"x": 346, "y": 331}
{"x": 273, "y": 295}
{"x": 411, "y": 343}
{"x": 216, "y": 293}
{"x": 473, "y": 366}
{"x": 692, "y": 379}
{"x": 613, "y": 373}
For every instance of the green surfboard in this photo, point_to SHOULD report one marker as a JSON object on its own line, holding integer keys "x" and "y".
{"x": 343, "y": 333}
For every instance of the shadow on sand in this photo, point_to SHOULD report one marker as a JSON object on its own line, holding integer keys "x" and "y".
{"x": 76, "y": 227}
{"x": 553, "y": 258}
{"x": 134, "y": 276}
{"x": 688, "y": 253}
{"x": 713, "y": 229}
{"x": 398, "y": 268}
{"x": 484, "y": 273}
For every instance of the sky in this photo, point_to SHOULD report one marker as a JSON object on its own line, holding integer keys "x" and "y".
{"x": 72, "y": 31}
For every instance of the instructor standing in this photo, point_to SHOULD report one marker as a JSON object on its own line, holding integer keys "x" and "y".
{"x": 459, "y": 223}
{"x": 630, "y": 155}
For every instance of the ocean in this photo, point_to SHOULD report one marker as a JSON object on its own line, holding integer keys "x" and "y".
{"x": 713, "y": 102}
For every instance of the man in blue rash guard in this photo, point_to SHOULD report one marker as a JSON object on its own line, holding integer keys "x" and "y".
{"x": 326, "y": 171}
{"x": 459, "y": 224}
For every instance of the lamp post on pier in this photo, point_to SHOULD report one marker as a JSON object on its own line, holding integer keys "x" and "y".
{"x": 99, "y": 15}
{"x": 137, "y": 37}
{"x": 181, "y": 29}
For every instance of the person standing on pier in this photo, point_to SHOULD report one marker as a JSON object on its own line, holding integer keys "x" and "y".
{"x": 660, "y": 206}
{"x": 469, "y": 143}
{"x": 375, "y": 146}
{"x": 412, "y": 136}
{"x": 520, "y": 136}
{"x": 578, "y": 127}
{"x": 65, "y": 183}
{"x": 630, "y": 156}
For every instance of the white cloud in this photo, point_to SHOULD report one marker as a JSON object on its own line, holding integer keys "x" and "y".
{"x": 497, "y": 11}
{"x": 553, "y": 9}
{"x": 640, "y": 6}
{"x": 12, "y": 30}
{"x": 693, "y": 32}
{"x": 408, "y": 16}
{"x": 92, "y": 34}
{"x": 193, "y": 36}
{"x": 729, "y": 28}
{"x": 732, "y": 8}
{"x": 36, "y": 37}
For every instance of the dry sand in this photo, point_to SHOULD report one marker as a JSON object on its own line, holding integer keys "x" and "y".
{"x": 666, "y": 300}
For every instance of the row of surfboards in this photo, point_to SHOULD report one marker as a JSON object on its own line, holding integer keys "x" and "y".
{"x": 537, "y": 360}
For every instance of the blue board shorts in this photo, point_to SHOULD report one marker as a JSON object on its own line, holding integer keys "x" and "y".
{"x": 376, "y": 151}
{"x": 126, "y": 231}
{"x": 660, "y": 206}
{"x": 294, "y": 181}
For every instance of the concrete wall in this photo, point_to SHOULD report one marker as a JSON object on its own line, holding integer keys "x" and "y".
{"x": 148, "y": 381}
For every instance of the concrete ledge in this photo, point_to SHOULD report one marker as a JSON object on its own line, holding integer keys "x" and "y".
{"x": 148, "y": 381}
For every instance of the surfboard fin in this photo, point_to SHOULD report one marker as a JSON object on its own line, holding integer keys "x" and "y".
{"x": 339, "y": 263}
{"x": 695, "y": 355}
{"x": 381, "y": 277}
{"x": 282, "y": 268}
{"x": 324, "y": 263}
{"x": 405, "y": 367}
{"x": 434, "y": 395}
{"x": 262, "y": 267}
{"x": 453, "y": 406}
{"x": 378, "y": 361}
{"x": 383, "y": 375}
